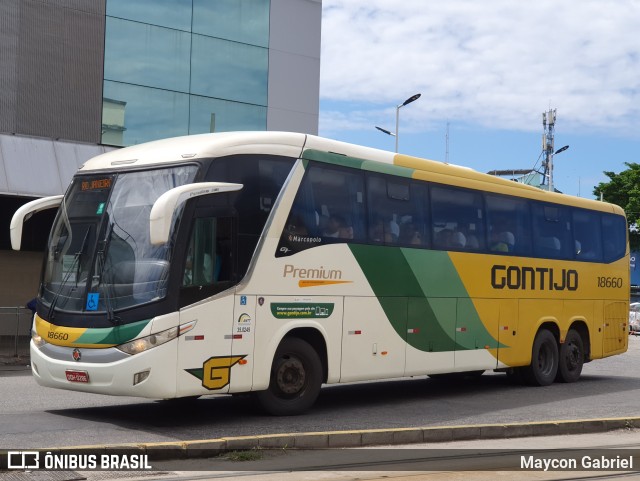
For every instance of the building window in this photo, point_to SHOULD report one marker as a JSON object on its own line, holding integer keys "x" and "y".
{"x": 141, "y": 114}
{"x": 229, "y": 70}
{"x": 142, "y": 54}
{"x": 178, "y": 67}
{"x": 245, "y": 21}
{"x": 164, "y": 13}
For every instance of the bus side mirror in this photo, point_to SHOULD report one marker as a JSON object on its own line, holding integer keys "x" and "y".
{"x": 163, "y": 209}
{"x": 25, "y": 212}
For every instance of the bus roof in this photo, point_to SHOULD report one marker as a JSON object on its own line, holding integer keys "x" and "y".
{"x": 293, "y": 144}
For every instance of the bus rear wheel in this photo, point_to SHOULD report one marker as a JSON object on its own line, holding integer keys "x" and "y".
{"x": 571, "y": 357}
{"x": 296, "y": 378}
{"x": 544, "y": 360}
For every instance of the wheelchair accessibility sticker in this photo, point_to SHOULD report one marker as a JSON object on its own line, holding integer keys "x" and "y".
{"x": 92, "y": 301}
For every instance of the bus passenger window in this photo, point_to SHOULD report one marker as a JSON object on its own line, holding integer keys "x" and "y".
{"x": 328, "y": 209}
{"x": 552, "y": 232}
{"x": 587, "y": 235}
{"x": 457, "y": 216}
{"x": 614, "y": 232}
{"x": 509, "y": 225}
{"x": 395, "y": 211}
{"x": 208, "y": 255}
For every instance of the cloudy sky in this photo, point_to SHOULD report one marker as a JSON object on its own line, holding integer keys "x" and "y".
{"x": 489, "y": 70}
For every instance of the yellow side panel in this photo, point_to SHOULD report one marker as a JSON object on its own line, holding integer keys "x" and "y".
{"x": 616, "y": 334}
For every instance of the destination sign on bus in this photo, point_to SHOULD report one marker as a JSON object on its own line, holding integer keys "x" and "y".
{"x": 96, "y": 184}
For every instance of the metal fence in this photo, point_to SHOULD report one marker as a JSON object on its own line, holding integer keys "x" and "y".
{"x": 15, "y": 331}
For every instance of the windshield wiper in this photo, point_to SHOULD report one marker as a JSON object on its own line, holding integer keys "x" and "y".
{"x": 111, "y": 317}
{"x": 75, "y": 267}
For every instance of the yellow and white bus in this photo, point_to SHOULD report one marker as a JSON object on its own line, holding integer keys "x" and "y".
{"x": 275, "y": 262}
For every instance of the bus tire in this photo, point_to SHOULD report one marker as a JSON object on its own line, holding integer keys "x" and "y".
{"x": 296, "y": 378}
{"x": 571, "y": 358}
{"x": 544, "y": 360}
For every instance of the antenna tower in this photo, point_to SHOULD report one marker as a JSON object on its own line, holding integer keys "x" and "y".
{"x": 548, "y": 124}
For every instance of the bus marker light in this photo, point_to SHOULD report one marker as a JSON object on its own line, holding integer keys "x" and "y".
{"x": 355, "y": 333}
{"x": 141, "y": 376}
{"x": 184, "y": 328}
{"x": 194, "y": 338}
{"x": 242, "y": 362}
{"x": 384, "y": 353}
{"x": 461, "y": 329}
{"x": 237, "y": 336}
{"x": 413, "y": 331}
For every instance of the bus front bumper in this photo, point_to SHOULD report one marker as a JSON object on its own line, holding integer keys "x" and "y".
{"x": 150, "y": 374}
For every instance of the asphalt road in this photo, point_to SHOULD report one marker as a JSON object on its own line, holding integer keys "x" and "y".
{"x": 35, "y": 417}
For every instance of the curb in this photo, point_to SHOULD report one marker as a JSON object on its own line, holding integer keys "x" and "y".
{"x": 360, "y": 438}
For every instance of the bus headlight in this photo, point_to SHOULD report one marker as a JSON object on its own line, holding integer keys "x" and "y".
{"x": 37, "y": 339}
{"x": 154, "y": 340}
{"x": 145, "y": 343}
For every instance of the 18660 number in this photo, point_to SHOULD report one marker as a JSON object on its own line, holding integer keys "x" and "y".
{"x": 610, "y": 282}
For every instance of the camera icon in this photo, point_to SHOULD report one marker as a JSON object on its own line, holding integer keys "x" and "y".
{"x": 23, "y": 459}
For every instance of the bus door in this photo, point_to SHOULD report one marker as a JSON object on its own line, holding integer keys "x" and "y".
{"x": 242, "y": 342}
{"x": 204, "y": 353}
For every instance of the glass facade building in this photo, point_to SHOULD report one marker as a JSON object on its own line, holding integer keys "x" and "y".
{"x": 82, "y": 77}
{"x": 179, "y": 67}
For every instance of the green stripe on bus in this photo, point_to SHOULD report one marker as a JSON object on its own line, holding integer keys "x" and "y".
{"x": 331, "y": 158}
{"x": 421, "y": 290}
{"x": 112, "y": 335}
{"x": 390, "y": 169}
{"x": 355, "y": 163}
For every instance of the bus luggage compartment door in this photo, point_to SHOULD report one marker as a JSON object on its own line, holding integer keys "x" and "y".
{"x": 616, "y": 333}
{"x": 476, "y": 334}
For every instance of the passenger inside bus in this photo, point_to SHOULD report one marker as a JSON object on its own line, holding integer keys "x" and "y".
{"x": 378, "y": 232}
{"x": 338, "y": 228}
{"x": 502, "y": 241}
{"x": 410, "y": 234}
{"x": 450, "y": 239}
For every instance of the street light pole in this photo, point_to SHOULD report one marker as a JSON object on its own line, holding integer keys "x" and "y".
{"x": 550, "y": 165}
{"x": 413, "y": 98}
{"x": 385, "y": 131}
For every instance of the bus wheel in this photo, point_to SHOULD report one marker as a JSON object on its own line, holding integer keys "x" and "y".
{"x": 296, "y": 377}
{"x": 571, "y": 358}
{"x": 544, "y": 360}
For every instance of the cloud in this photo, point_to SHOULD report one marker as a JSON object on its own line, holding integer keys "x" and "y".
{"x": 496, "y": 64}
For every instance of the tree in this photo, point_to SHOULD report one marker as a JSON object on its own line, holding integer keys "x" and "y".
{"x": 623, "y": 189}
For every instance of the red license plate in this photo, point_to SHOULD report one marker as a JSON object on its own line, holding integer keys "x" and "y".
{"x": 77, "y": 376}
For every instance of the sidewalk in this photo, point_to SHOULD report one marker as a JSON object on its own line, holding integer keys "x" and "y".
{"x": 12, "y": 363}
{"x": 9, "y": 361}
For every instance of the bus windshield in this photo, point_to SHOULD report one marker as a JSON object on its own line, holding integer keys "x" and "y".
{"x": 99, "y": 257}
